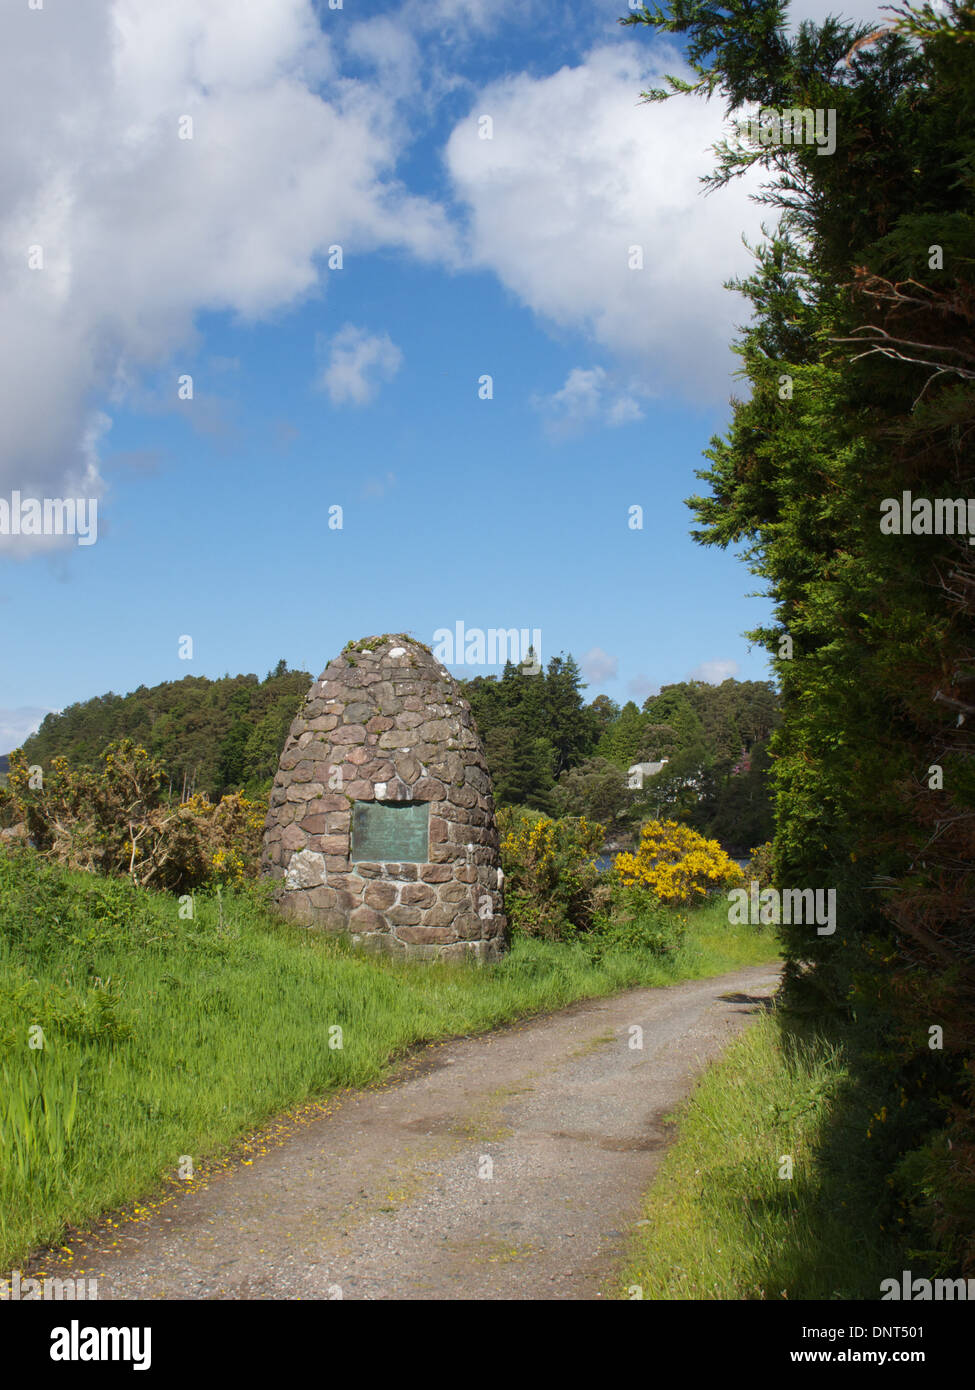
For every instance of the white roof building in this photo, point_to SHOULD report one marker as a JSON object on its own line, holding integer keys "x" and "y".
{"x": 636, "y": 773}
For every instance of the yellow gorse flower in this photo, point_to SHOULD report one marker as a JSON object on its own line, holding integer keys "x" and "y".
{"x": 677, "y": 864}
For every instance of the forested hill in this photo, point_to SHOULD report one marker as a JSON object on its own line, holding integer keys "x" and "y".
{"x": 210, "y": 734}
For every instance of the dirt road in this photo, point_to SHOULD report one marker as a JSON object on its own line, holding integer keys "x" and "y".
{"x": 507, "y": 1166}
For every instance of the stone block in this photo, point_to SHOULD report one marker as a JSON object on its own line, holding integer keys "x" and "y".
{"x": 436, "y": 873}
{"x": 426, "y": 936}
{"x": 428, "y": 789}
{"x": 419, "y": 895}
{"x": 379, "y": 895}
{"x": 403, "y": 916}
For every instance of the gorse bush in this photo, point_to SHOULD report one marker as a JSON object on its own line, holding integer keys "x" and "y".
{"x": 551, "y": 877}
{"x": 121, "y": 820}
{"x": 760, "y": 866}
{"x": 230, "y": 831}
{"x": 678, "y": 865}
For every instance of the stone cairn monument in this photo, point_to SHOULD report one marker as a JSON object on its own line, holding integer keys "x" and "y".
{"x": 381, "y": 822}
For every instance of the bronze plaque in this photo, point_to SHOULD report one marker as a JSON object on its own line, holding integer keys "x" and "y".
{"x": 390, "y": 832}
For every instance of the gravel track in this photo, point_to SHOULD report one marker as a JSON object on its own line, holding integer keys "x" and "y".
{"x": 506, "y": 1166}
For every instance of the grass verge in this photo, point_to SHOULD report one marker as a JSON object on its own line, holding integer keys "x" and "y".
{"x": 131, "y": 1039}
{"x": 722, "y": 1219}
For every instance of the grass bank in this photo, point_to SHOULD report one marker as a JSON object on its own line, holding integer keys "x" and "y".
{"x": 724, "y": 1221}
{"x": 130, "y": 1038}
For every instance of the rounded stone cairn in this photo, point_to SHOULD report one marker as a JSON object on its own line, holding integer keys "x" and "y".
{"x": 385, "y": 722}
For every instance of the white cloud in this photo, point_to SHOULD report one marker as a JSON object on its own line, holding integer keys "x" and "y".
{"x": 849, "y": 11}
{"x": 357, "y": 363}
{"x": 141, "y": 230}
{"x": 417, "y": 50}
{"x": 387, "y": 45}
{"x": 623, "y": 411}
{"x": 465, "y": 21}
{"x": 598, "y": 666}
{"x": 588, "y": 397}
{"x": 640, "y": 686}
{"x": 714, "y": 672}
{"x": 577, "y": 173}
{"x": 18, "y": 724}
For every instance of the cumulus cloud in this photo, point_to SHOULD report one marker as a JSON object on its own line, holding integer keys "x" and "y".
{"x": 116, "y": 234}
{"x": 598, "y": 666}
{"x": 18, "y": 724}
{"x": 386, "y": 45}
{"x": 640, "y": 686}
{"x": 139, "y": 230}
{"x": 357, "y": 362}
{"x": 587, "y": 397}
{"x": 587, "y": 204}
{"x": 714, "y": 672}
{"x": 872, "y": 12}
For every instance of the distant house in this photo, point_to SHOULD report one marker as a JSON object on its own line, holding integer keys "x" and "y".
{"x": 636, "y": 773}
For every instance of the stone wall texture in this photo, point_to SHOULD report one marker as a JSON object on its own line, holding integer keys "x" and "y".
{"x": 386, "y": 722}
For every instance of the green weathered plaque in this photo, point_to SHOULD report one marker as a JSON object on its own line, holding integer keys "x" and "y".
{"x": 391, "y": 832}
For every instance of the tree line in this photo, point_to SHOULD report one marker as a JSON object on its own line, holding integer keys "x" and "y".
{"x": 549, "y": 750}
{"x": 546, "y": 747}
{"x": 212, "y": 736}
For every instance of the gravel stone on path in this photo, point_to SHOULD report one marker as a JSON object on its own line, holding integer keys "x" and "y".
{"x": 506, "y": 1166}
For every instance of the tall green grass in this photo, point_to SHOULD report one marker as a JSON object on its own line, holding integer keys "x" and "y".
{"x": 38, "y": 1110}
{"x": 165, "y": 1038}
{"x": 722, "y": 1221}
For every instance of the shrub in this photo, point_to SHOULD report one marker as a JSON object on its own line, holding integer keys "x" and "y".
{"x": 121, "y": 820}
{"x": 677, "y": 864}
{"x": 638, "y": 920}
{"x": 759, "y": 866}
{"x": 231, "y": 831}
{"x": 551, "y": 878}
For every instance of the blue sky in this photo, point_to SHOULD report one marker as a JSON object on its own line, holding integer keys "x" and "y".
{"x": 358, "y": 386}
